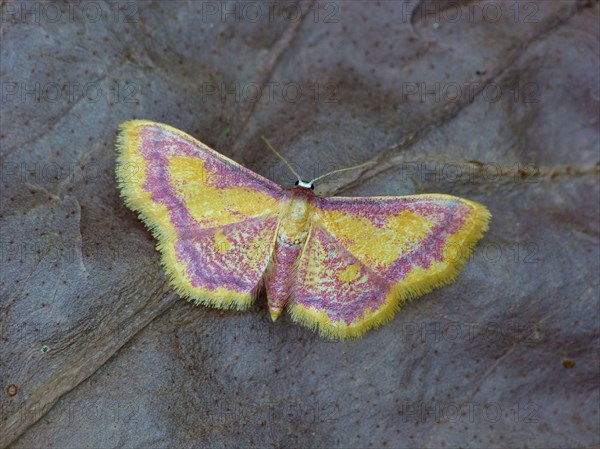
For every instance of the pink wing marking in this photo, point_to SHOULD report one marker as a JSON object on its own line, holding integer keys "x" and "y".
{"x": 447, "y": 212}
{"x": 238, "y": 264}
{"x": 322, "y": 288}
{"x": 239, "y": 269}
{"x": 351, "y": 276}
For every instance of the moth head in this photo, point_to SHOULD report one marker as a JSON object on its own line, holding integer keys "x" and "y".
{"x": 306, "y": 185}
{"x": 310, "y": 185}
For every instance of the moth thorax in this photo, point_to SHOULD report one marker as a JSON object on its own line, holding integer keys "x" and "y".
{"x": 294, "y": 224}
{"x": 298, "y": 210}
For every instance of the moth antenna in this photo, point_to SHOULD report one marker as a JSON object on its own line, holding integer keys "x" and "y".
{"x": 282, "y": 158}
{"x": 364, "y": 164}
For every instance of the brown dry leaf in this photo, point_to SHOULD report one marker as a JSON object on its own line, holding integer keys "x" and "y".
{"x": 447, "y": 97}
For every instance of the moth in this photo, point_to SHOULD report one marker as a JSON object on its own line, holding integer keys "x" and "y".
{"x": 339, "y": 265}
